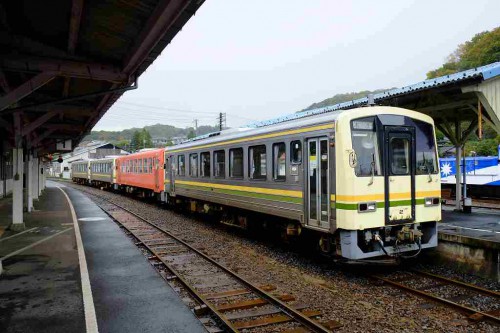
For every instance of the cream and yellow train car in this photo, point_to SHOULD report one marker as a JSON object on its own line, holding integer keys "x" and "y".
{"x": 364, "y": 181}
{"x": 103, "y": 172}
{"x": 80, "y": 172}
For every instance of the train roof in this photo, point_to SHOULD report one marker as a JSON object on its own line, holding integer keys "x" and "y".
{"x": 248, "y": 131}
{"x": 244, "y": 132}
{"x": 148, "y": 152}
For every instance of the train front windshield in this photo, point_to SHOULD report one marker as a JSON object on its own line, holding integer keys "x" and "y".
{"x": 369, "y": 151}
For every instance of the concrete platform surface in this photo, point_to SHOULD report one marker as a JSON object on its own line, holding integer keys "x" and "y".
{"x": 41, "y": 285}
{"x": 481, "y": 228}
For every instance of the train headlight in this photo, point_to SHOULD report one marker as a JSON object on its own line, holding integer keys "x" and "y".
{"x": 365, "y": 207}
{"x": 431, "y": 201}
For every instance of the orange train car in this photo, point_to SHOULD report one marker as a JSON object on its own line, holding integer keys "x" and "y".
{"x": 142, "y": 172}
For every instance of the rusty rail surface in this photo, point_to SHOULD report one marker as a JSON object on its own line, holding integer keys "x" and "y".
{"x": 284, "y": 312}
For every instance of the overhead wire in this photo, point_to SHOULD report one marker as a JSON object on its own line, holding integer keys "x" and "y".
{"x": 178, "y": 110}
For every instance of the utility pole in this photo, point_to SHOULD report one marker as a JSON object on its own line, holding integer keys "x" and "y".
{"x": 222, "y": 121}
{"x": 196, "y": 126}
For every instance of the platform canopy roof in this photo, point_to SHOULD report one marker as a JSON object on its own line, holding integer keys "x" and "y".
{"x": 452, "y": 100}
{"x": 63, "y": 63}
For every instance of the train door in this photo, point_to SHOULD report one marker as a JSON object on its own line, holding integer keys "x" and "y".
{"x": 171, "y": 174}
{"x": 399, "y": 150}
{"x": 157, "y": 170}
{"x": 317, "y": 189}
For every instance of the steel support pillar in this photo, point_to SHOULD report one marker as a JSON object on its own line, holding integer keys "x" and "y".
{"x": 35, "y": 182}
{"x": 40, "y": 177}
{"x": 458, "y": 189}
{"x": 29, "y": 183}
{"x": 44, "y": 178}
{"x": 17, "y": 190}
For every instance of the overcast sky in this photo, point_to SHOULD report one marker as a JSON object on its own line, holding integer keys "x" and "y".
{"x": 259, "y": 59}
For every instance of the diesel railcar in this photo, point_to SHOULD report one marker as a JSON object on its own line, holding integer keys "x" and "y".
{"x": 80, "y": 172}
{"x": 102, "y": 172}
{"x": 142, "y": 173}
{"x": 364, "y": 182}
{"x": 482, "y": 178}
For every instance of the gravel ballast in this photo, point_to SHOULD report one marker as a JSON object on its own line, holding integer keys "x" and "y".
{"x": 343, "y": 295}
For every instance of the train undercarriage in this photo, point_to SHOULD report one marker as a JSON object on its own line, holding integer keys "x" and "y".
{"x": 402, "y": 241}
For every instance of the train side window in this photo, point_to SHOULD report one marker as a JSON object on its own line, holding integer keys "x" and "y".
{"x": 145, "y": 165}
{"x": 220, "y": 164}
{"x": 150, "y": 164}
{"x": 193, "y": 165}
{"x": 279, "y": 161}
{"x": 296, "y": 152}
{"x": 236, "y": 163}
{"x": 181, "y": 159}
{"x": 135, "y": 165}
{"x": 205, "y": 164}
{"x": 258, "y": 162}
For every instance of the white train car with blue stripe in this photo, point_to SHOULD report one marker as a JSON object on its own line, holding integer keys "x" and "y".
{"x": 482, "y": 175}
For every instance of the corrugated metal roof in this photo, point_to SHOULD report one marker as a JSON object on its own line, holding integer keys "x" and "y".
{"x": 484, "y": 72}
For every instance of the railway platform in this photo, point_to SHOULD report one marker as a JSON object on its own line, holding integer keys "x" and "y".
{"x": 471, "y": 240}
{"x": 73, "y": 270}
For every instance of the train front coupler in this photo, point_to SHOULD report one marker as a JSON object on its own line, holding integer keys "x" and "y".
{"x": 405, "y": 237}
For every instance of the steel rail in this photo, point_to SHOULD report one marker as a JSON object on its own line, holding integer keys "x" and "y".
{"x": 292, "y": 313}
{"x": 469, "y": 286}
{"x": 437, "y": 298}
{"x": 178, "y": 276}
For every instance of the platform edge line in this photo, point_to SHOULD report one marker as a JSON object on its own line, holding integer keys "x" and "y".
{"x": 88, "y": 300}
{"x": 18, "y": 234}
{"x": 33, "y": 245}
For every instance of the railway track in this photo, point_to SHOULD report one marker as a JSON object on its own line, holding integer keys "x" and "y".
{"x": 235, "y": 303}
{"x": 478, "y": 303}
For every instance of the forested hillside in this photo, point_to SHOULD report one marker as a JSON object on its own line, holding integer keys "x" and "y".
{"x": 156, "y": 131}
{"x": 339, "y": 98}
{"x": 482, "y": 49}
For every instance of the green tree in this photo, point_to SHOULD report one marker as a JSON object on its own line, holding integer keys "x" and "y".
{"x": 191, "y": 134}
{"x": 141, "y": 139}
{"x": 487, "y": 147}
{"x": 136, "y": 142}
{"x": 146, "y": 139}
{"x": 482, "y": 49}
